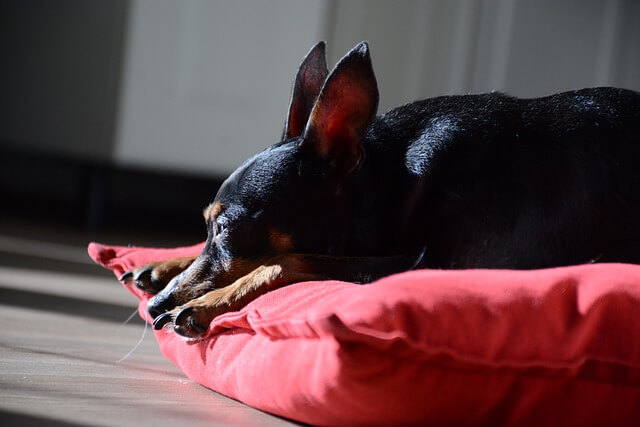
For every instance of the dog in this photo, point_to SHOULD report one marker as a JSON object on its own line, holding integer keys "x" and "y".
{"x": 453, "y": 182}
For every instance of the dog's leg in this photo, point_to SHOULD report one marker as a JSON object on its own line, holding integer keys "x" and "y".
{"x": 153, "y": 277}
{"x": 192, "y": 319}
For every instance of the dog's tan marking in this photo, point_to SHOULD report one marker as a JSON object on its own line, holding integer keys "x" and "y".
{"x": 212, "y": 211}
{"x": 172, "y": 267}
{"x": 279, "y": 271}
{"x": 281, "y": 242}
{"x": 196, "y": 282}
{"x": 163, "y": 271}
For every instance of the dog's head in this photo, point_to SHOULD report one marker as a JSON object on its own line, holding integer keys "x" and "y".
{"x": 291, "y": 197}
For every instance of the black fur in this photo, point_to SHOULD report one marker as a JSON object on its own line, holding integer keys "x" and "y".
{"x": 495, "y": 181}
{"x": 480, "y": 180}
{"x": 474, "y": 181}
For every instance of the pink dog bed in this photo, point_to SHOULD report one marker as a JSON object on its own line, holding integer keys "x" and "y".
{"x": 540, "y": 347}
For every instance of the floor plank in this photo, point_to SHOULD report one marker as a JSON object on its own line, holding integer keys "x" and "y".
{"x": 58, "y": 360}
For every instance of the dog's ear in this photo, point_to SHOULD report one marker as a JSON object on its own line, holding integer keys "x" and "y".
{"x": 311, "y": 76}
{"x": 344, "y": 110}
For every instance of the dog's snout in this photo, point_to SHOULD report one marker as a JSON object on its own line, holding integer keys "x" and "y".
{"x": 160, "y": 304}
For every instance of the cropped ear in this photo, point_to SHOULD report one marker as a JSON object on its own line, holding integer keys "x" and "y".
{"x": 344, "y": 110}
{"x": 306, "y": 88}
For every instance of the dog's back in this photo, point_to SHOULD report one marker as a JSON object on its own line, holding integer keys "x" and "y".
{"x": 495, "y": 181}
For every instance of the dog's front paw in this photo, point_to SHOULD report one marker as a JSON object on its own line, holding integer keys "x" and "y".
{"x": 192, "y": 319}
{"x": 153, "y": 277}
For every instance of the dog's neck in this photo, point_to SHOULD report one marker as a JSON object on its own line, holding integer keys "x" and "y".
{"x": 379, "y": 196}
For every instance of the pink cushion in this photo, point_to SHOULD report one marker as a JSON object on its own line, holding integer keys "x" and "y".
{"x": 552, "y": 346}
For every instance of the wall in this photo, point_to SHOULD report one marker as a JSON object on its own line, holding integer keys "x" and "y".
{"x": 59, "y": 75}
{"x": 206, "y": 84}
{"x": 524, "y": 47}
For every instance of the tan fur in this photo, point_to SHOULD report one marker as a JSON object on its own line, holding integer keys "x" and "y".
{"x": 163, "y": 271}
{"x": 192, "y": 285}
{"x": 281, "y": 242}
{"x": 280, "y": 271}
{"x": 212, "y": 211}
{"x": 171, "y": 267}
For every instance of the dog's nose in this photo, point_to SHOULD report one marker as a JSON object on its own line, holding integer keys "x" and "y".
{"x": 160, "y": 304}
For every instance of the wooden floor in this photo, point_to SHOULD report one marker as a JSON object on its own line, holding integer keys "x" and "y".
{"x": 62, "y": 336}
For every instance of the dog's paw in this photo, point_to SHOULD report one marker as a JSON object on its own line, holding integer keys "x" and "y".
{"x": 145, "y": 278}
{"x": 192, "y": 319}
{"x": 153, "y": 277}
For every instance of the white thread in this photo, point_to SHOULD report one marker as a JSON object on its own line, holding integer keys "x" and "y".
{"x": 127, "y": 320}
{"x": 146, "y": 325}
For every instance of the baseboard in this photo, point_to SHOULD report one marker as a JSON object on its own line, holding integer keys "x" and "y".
{"x": 97, "y": 196}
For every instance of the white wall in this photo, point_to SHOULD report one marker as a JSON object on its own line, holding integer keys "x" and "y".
{"x": 524, "y": 47}
{"x": 206, "y": 84}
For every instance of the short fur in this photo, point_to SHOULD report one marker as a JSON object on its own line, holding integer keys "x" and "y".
{"x": 473, "y": 181}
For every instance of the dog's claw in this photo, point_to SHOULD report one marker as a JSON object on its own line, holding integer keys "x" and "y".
{"x": 126, "y": 276}
{"x": 183, "y": 314}
{"x": 145, "y": 281}
{"x": 197, "y": 326}
{"x": 161, "y": 320}
{"x": 185, "y": 323}
{"x": 141, "y": 278}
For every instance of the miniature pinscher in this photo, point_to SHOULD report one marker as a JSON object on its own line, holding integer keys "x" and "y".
{"x": 472, "y": 181}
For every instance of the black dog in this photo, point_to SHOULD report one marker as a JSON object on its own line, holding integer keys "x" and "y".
{"x": 449, "y": 182}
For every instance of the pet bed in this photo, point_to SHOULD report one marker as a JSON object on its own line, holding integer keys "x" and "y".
{"x": 552, "y": 346}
